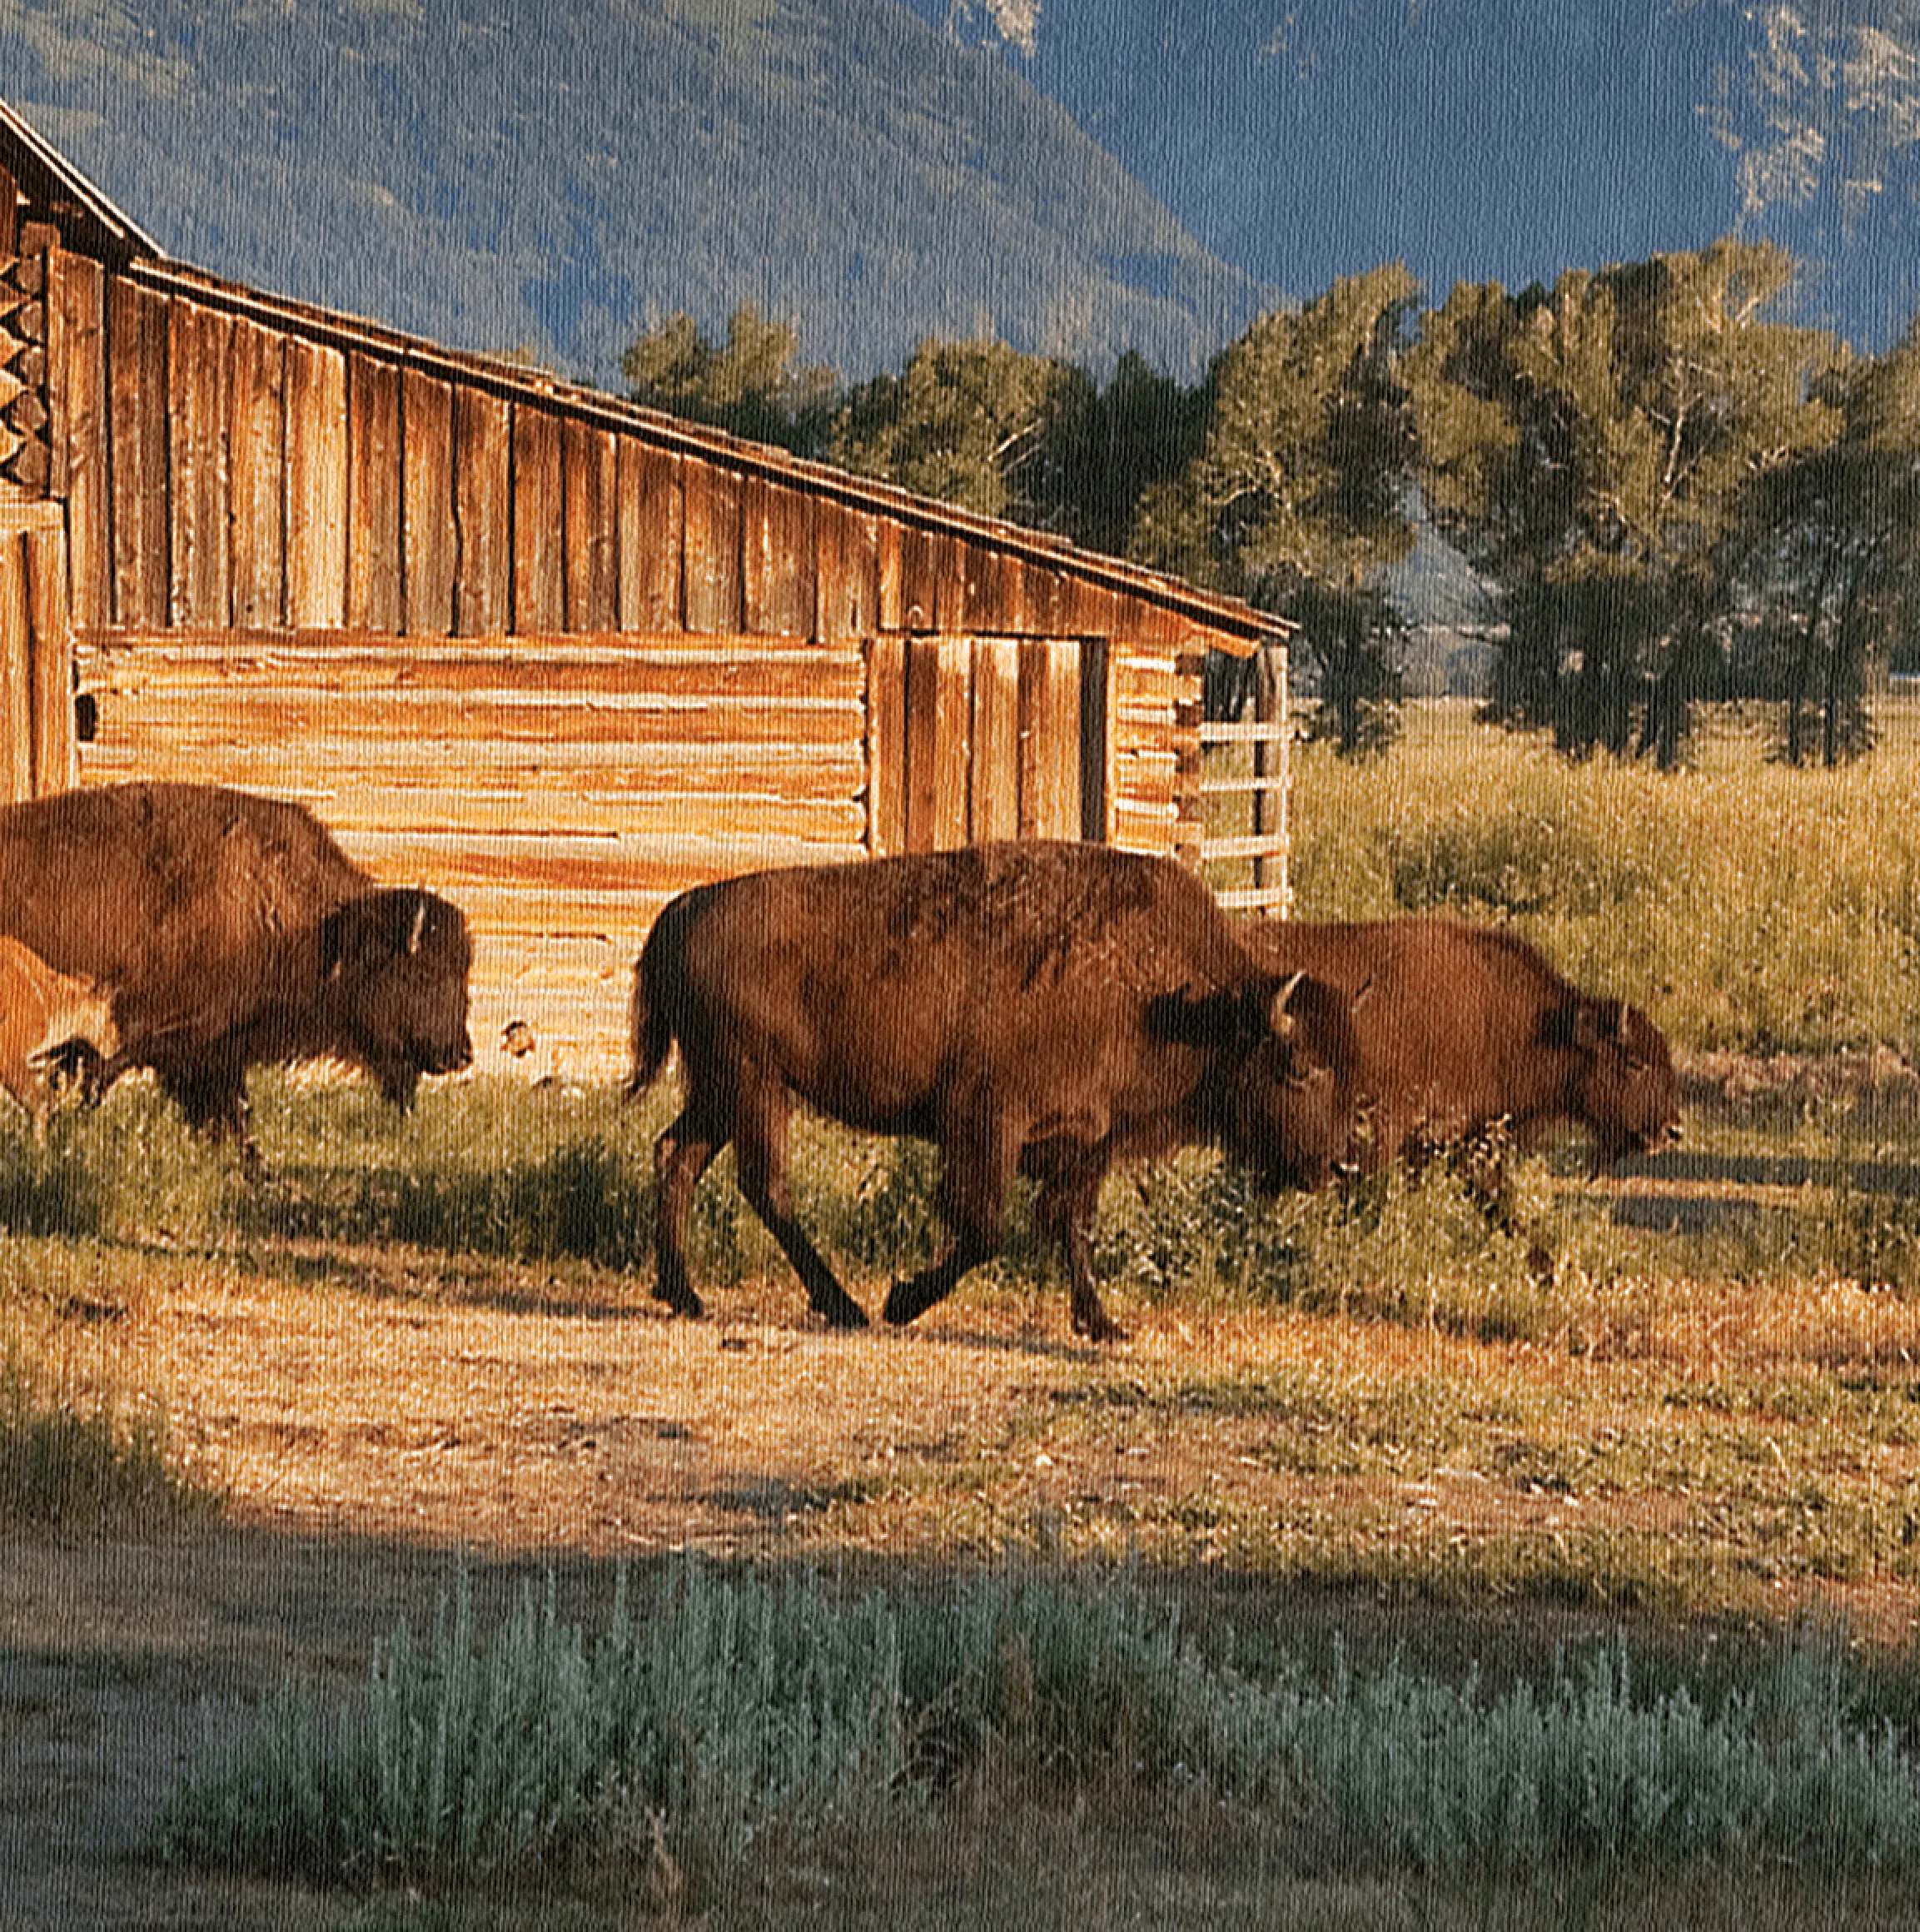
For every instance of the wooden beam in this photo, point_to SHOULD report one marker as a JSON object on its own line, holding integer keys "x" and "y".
{"x": 539, "y": 581}
{"x": 316, "y": 485}
{"x": 482, "y": 514}
{"x": 374, "y": 597}
{"x": 429, "y": 540}
{"x": 257, "y": 446}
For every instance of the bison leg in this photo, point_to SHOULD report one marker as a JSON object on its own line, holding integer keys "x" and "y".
{"x": 760, "y": 1157}
{"x": 213, "y": 1097}
{"x": 976, "y": 1165}
{"x": 681, "y": 1155}
{"x": 1064, "y": 1211}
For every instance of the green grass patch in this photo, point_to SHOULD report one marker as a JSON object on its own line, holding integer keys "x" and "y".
{"x": 69, "y": 1456}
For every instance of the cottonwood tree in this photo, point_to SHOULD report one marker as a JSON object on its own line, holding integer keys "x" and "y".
{"x": 1827, "y": 552}
{"x": 753, "y": 384}
{"x": 1588, "y": 448}
{"x": 977, "y": 424}
{"x": 1299, "y": 496}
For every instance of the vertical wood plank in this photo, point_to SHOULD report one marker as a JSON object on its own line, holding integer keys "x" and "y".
{"x": 1096, "y": 740}
{"x": 1188, "y": 710}
{"x": 82, "y": 301}
{"x": 711, "y": 497}
{"x": 918, "y": 577}
{"x": 55, "y": 754}
{"x": 779, "y": 558}
{"x": 197, "y": 386}
{"x": 1041, "y": 602}
{"x": 373, "y": 493}
{"x": 137, "y": 409}
{"x": 317, "y": 485}
{"x": 539, "y": 602}
{"x": 847, "y": 572}
{"x": 886, "y": 746}
{"x": 651, "y": 537}
{"x": 939, "y": 731}
{"x": 889, "y": 545}
{"x": 948, "y": 553}
{"x": 427, "y": 537}
{"x": 1049, "y": 738}
{"x": 16, "y": 679}
{"x": 482, "y": 513}
{"x": 257, "y": 447}
{"x": 591, "y": 490}
{"x": 995, "y": 778}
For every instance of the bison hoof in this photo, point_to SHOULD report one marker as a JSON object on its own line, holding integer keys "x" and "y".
{"x": 904, "y": 1301}
{"x": 681, "y": 1300}
{"x": 845, "y": 1313}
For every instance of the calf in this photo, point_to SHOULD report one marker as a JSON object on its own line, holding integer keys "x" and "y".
{"x": 48, "y": 1021}
{"x": 1041, "y": 1008}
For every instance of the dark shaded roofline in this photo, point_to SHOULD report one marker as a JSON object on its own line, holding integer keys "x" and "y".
{"x": 49, "y": 178}
{"x": 1233, "y": 622}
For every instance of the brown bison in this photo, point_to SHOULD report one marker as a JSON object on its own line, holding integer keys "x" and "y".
{"x": 48, "y": 1021}
{"x": 230, "y": 931}
{"x": 1463, "y": 1029}
{"x": 1041, "y": 1008}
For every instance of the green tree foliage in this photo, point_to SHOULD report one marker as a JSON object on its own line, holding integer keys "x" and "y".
{"x": 975, "y": 424}
{"x": 1298, "y": 497}
{"x": 1827, "y": 553}
{"x": 1588, "y": 447}
{"x": 753, "y": 384}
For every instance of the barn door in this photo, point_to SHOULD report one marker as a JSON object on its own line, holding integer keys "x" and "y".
{"x": 977, "y": 738}
{"x": 37, "y": 751}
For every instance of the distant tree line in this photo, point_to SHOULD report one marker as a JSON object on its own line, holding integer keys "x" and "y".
{"x": 1666, "y": 495}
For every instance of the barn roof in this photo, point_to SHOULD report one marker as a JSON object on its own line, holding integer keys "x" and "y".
{"x": 85, "y": 216}
{"x": 91, "y": 222}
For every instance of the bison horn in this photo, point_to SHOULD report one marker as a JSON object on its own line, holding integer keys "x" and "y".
{"x": 1277, "y": 1017}
{"x": 419, "y": 925}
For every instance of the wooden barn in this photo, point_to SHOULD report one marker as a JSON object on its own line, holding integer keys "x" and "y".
{"x": 552, "y": 654}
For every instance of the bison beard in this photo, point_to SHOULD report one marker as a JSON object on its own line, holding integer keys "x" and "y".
{"x": 231, "y": 931}
{"x": 1041, "y": 1008}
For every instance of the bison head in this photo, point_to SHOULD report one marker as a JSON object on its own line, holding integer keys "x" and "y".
{"x": 1287, "y": 1058}
{"x": 394, "y": 970}
{"x": 1623, "y": 1087}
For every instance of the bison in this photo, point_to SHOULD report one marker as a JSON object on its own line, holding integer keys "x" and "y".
{"x": 230, "y": 931}
{"x": 1462, "y": 1029}
{"x": 1036, "y": 1008}
{"x": 48, "y": 1022}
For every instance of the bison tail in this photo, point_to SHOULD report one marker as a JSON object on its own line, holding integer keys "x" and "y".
{"x": 653, "y": 1010}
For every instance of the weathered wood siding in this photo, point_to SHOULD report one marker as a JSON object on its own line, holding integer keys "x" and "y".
{"x": 559, "y": 788}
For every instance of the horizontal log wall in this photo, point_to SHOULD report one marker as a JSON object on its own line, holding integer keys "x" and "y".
{"x": 559, "y": 788}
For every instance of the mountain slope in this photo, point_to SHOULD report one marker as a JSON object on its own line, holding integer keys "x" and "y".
{"x": 551, "y": 174}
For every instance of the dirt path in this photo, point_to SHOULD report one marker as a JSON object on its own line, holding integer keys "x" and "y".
{"x": 374, "y": 1441}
